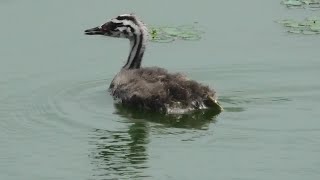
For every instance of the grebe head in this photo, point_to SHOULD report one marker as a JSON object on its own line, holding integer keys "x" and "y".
{"x": 124, "y": 26}
{"x": 130, "y": 27}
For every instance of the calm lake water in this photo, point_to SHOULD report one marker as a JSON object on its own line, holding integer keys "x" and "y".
{"x": 57, "y": 120}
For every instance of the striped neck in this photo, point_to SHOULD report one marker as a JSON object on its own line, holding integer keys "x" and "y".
{"x": 137, "y": 47}
{"x": 130, "y": 27}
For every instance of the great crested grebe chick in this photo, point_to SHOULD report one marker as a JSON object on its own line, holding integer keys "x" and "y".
{"x": 151, "y": 88}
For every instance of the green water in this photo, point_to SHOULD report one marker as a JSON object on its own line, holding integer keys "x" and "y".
{"x": 58, "y": 122}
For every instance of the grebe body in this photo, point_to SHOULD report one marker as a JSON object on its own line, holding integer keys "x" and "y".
{"x": 151, "y": 88}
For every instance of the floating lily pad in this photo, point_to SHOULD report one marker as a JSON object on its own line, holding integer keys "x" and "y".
{"x": 295, "y": 31}
{"x": 312, "y": 4}
{"x": 292, "y": 3}
{"x": 170, "y": 33}
{"x": 309, "y": 32}
{"x": 309, "y": 26}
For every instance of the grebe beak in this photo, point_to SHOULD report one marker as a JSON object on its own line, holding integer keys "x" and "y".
{"x": 94, "y": 31}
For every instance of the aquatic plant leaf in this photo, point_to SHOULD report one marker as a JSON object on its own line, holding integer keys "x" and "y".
{"x": 294, "y": 31}
{"x": 165, "y": 34}
{"x": 191, "y": 37}
{"x": 292, "y": 2}
{"x": 293, "y": 24}
{"x": 285, "y": 21}
{"x": 172, "y": 31}
{"x": 309, "y": 32}
{"x": 308, "y": 26}
{"x": 314, "y": 4}
{"x": 306, "y": 23}
{"x": 315, "y": 27}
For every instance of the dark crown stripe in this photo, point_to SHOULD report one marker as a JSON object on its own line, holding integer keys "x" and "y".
{"x": 129, "y": 18}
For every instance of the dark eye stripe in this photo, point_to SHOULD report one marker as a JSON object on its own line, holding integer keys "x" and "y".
{"x": 111, "y": 25}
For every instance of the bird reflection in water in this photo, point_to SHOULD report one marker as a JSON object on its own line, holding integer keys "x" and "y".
{"x": 199, "y": 119}
{"x": 123, "y": 153}
{"x": 120, "y": 154}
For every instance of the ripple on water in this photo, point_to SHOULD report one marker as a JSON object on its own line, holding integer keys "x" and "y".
{"x": 83, "y": 102}
{"x": 241, "y": 103}
{"x": 61, "y": 105}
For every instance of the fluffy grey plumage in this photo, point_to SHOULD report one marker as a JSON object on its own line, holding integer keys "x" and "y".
{"x": 151, "y": 88}
{"x": 155, "y": 89}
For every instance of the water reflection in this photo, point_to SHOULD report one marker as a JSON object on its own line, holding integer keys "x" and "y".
{"x": 123, "y": 153}
{"x": 120, "y": 153}
{"x": 194, "y": 120}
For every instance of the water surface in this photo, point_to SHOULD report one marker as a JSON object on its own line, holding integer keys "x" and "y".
{"x": 57, "y": 120}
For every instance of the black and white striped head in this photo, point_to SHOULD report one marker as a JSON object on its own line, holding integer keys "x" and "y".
{"x": 124, "y": 26}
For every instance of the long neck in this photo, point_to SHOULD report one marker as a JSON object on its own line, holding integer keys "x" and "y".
{"x": 137, "y": 44}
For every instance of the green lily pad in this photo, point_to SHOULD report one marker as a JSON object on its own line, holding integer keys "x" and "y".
{"x": 285, "y": 21}
{"x": 293, "y": 25}
{"x": 295, "y": 31}
{"x": 292, "y": 2}
{"x": 309, "y": 32}
{"x": 308, "y": 26}
{"x": 315, "y": 27}
{"x": 312, "y": 4}
{"x": 171, "y": 33}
